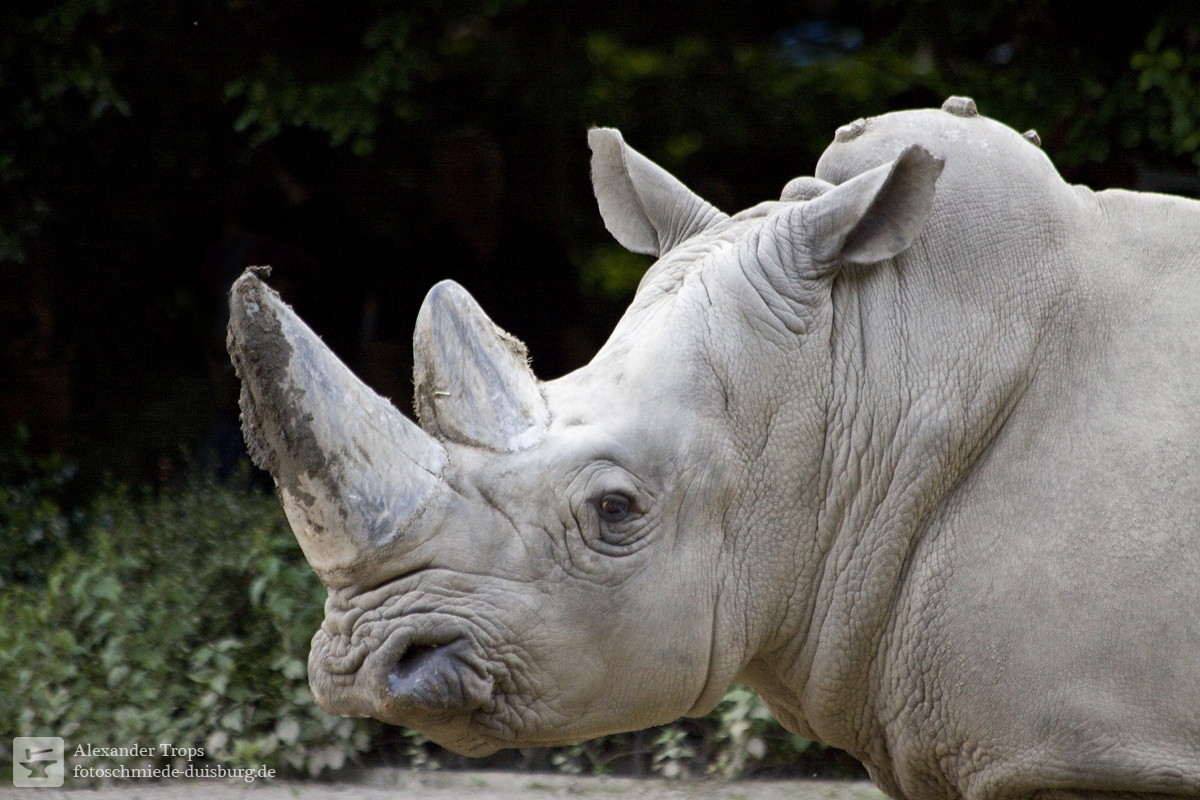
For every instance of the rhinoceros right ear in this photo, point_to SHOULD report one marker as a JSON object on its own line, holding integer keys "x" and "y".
{"x": 644, "y": 207}
{"x": 871, "y": 217}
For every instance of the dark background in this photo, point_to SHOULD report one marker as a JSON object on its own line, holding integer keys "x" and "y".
{"x": 149, "y": 151}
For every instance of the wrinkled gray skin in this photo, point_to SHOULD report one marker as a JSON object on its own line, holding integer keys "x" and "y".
{"x": 915, "y": 452}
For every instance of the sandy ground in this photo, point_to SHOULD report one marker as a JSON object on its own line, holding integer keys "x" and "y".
{"x": 394, "y": 784}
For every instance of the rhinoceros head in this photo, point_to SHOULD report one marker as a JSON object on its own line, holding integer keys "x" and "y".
{"x": 538, "y": 563}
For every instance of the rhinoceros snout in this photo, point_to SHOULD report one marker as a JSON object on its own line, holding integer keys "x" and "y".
{"x": 432, "y": 677}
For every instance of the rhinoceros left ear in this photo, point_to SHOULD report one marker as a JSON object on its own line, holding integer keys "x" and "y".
{"x": 473, "y": 381}
{"x": 644, "y": 207}
{"x": 871, "y": 217}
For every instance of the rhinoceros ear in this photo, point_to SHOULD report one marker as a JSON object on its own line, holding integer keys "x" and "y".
{"x": 473, "y": 381}
{"x": 872, "y": 217}
{"x": 644, "y": 207}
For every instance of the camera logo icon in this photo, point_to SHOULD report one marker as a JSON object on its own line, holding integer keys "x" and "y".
{"x": 38, "y": 761}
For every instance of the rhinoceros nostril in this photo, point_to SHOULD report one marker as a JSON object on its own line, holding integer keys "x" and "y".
{"x": 434, "y": 676}
{"x": 412, "y": 660}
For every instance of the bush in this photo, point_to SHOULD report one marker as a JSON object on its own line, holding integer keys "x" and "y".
{"x": 34, "y": 528}
{"x": 186, "y": 620}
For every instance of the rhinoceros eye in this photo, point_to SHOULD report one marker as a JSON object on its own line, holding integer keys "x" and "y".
{"x": 613, "y": 507}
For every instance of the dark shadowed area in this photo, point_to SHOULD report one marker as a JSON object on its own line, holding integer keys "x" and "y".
{"x": 151, "y": 153}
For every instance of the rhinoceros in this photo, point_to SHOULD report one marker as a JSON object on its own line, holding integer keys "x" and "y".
{"x": 914, "y": 452}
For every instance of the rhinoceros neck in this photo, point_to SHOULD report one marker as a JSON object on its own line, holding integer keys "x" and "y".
{"x": 928, "y": 362}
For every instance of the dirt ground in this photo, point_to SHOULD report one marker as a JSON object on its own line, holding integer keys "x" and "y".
{"x": 394, "y": 784}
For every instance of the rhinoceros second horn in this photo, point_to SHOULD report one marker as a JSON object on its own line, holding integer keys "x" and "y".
{"x": 473, "y": 381}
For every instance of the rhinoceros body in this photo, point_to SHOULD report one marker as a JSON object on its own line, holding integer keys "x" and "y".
{"x": 914, "y": 452}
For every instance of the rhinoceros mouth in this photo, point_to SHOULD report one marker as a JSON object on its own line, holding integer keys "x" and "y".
{"x": 393, "y": 654}
{"x": 435, "y": 675}
{"x": 421, "y": 670}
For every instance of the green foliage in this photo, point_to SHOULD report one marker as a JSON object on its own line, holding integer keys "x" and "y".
{"x": 346, "y": 109}
{"x": 399, "y": 50}
{"x": 671, "y": 751}
{"x": 185, "y": 621}
{"x": 34, "y": 527}
{"x": 611, "y": 272}
{"x": 1168, "y": 81}
{"x": 748, "y": 733}
{"x": 62, "y": 82}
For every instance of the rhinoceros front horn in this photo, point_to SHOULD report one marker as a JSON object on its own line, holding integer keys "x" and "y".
{"x": 352, "y": 471}
{"x": 473, "y": 381}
